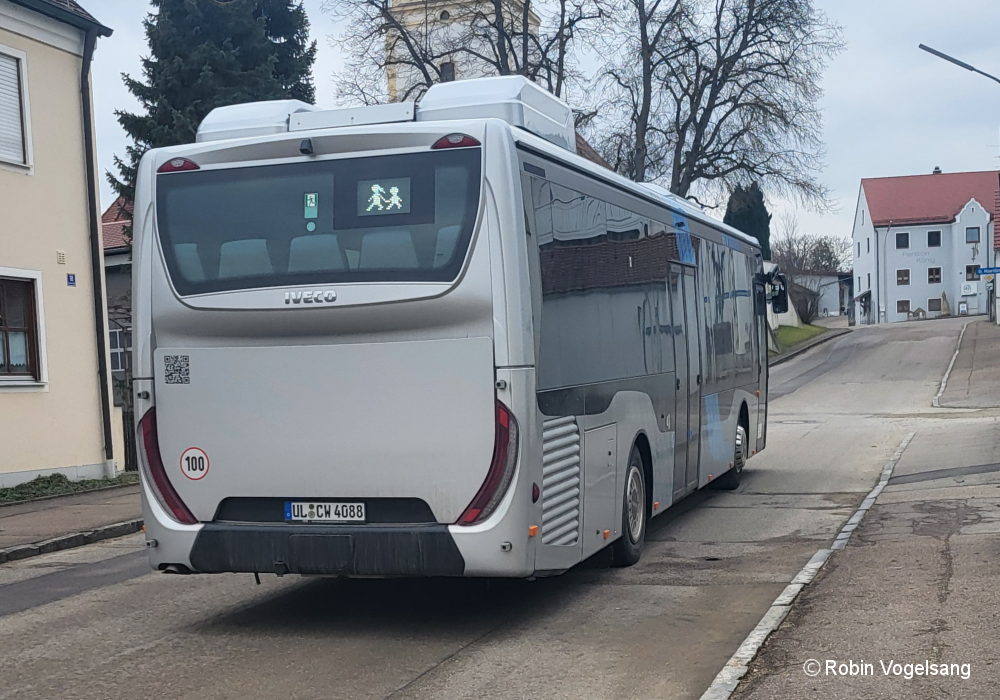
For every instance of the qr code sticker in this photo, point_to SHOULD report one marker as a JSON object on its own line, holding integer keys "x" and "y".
{"x": 177, "y": 369}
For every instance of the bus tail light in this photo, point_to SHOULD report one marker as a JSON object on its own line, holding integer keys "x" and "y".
{"x": 455, "y": 141}
{"x": 501, "y": 471}
{"x": 162, "y": 487}
{"x": 176, "y": 165}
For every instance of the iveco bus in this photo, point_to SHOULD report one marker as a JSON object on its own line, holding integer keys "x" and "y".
{"x": 429, "y": 341}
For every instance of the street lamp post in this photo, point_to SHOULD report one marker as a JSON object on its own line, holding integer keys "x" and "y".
{"x": 991, "y": 295}
{"x": 961, "y": 64}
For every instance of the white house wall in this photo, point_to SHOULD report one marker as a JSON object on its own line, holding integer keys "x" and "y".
{"x": 828, "y": 287}
{"x": 863, "y": 242}
{"x": 877, "y": 270}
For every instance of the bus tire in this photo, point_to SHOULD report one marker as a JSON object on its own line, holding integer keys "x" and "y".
{"x": 731, "y": 479}
{"x": 627, "y": 549}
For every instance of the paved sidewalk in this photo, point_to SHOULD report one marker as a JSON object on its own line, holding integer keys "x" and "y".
{"x": 917, "y": 583}
{"x": 831, "y": 322}
{"x": 974, "y": 381}
{"x": 36, "y": 521}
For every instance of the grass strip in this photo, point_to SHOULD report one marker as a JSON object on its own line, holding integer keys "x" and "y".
{"x": 789, "y": 336}
{"x": 59, "y": 485}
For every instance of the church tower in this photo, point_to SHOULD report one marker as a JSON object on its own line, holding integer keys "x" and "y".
{"x": 454, "y": 36}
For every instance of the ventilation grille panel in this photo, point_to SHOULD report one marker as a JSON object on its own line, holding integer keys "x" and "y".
{"x": 560, "y": 481}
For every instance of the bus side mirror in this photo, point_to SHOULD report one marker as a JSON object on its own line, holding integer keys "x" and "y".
{"x": 779, "y": 294}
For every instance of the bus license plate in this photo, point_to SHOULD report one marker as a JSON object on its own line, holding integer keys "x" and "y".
{"x": 307, "y": 511}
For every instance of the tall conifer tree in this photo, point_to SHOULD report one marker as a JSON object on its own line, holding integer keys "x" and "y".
{"x": 205, "y": 54}
{"x": 746, "y": 211}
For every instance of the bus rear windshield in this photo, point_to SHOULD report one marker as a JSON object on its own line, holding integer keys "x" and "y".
{"x": 398, "y": 218}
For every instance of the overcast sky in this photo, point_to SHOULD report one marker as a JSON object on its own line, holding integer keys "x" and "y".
{"x": 890, "y": 109}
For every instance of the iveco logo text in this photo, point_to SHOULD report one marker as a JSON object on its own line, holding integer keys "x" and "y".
{"x": 310, "y": 297}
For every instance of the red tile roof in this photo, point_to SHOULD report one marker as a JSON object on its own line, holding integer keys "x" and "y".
{"x": 929, "y": 199}
{"x": 114, "y": 235}
{"x": 583, "y": 148}
{"x": 113, "y": 223}
{"x": 119, "y": 210}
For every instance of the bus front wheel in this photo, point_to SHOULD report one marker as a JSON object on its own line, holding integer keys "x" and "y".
{"x": 731, "y": 479}
{"x": 628, "y": 548}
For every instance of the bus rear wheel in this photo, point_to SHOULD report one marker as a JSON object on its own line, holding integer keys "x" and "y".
{"x": 731, "y": 479}
{"x": 627, "y": 549}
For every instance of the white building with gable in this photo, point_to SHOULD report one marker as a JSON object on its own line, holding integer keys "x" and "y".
{"x": 917, "y": 243}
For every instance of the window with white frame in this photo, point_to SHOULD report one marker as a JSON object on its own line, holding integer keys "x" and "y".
{"x": 903, "y": 306}
{"x": 13, "y": 108}
{"x": 934, "y": 304}
{"x": 902, "y": 277}
{"x": 972, "y": 234}
{"x": 121, "y": 348}
{"x": 18, "y": 330}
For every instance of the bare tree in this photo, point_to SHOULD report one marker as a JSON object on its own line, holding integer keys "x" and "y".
{"x": 645, "y": 37}
{"x": 796, "y": 252}
{"x": 408, "y": 44}
{"x": 732, "y": 89}
{"x": 379, "y": 43}
{"x": 832, "y": 253}
{"x": 792, "y": 250}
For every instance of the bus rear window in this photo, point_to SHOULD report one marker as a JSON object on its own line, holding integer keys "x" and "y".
{"x": 399, "y": 218}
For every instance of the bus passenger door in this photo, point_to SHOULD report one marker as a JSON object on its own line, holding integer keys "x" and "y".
{"x": 687, "y": 363}
{"x": 681, "y": 431}
{"x": 693, "y": 336}
{"x": 760, "y": 309}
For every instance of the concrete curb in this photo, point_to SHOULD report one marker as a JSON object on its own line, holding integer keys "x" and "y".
{"x": 808, "y": 345}
{"x": 76, "y": 539}
{"x": 729, "y": 677}
{"x": 936, "y": 403}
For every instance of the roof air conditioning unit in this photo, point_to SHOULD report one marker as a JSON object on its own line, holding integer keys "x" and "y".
{"x": 250, "y": 119}
{"x": 512, "y": 98}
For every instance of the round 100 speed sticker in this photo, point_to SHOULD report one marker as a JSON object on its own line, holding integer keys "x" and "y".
{"x": 194, "y": 463}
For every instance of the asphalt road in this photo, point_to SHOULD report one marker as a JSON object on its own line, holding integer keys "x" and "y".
{"x": 93, "y": 623}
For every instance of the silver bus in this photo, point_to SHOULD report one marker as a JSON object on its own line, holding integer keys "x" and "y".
{"x": 429, "y": 341}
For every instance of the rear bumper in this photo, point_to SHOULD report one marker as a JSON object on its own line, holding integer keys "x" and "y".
{"x": 419, "y": 550}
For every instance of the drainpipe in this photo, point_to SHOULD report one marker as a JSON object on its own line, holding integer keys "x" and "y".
{"x": 880, "y": 275}
{"x": 873, "y": 297}
{"x": 97, "y": 271}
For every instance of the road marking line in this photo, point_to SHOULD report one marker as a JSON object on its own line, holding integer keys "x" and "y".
{"x": 944, "y": 380}
{"x": 729, "y": 677}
